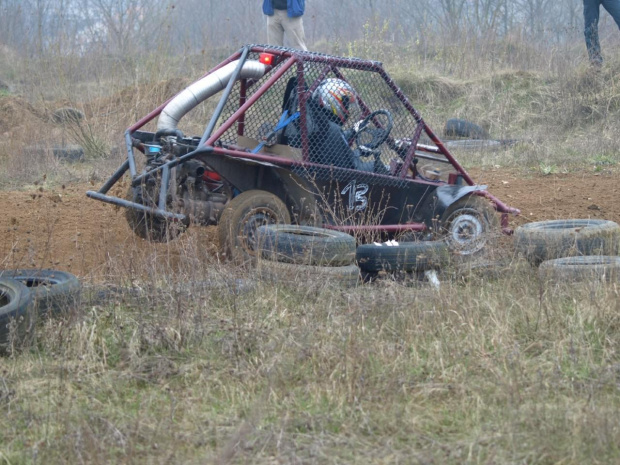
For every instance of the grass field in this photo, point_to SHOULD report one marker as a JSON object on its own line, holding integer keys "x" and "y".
{"x": 205, "y": 363}
{"x": 231, "y": 370}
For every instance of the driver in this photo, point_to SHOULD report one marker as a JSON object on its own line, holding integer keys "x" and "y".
{"x": 331, "y": 105}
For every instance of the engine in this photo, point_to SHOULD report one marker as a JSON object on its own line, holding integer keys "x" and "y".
{"x": 195, "y": 189}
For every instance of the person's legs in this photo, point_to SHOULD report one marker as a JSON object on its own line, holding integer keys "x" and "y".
{"x": 275, "y": 28}
{"x": 613, "y": 8}
{"x": 591, "y": 15}
{"x": 294, "y": 28}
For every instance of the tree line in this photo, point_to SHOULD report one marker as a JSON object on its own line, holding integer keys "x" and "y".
{"x": 39, "y": 27}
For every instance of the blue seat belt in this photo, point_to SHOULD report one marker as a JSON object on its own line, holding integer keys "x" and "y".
{"x": 284, "y": 121}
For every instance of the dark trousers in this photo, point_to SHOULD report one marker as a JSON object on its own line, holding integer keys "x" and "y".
{"x": 591, "y": 13}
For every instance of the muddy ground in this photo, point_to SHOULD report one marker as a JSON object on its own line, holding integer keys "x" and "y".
{"x": 63, "y": 229}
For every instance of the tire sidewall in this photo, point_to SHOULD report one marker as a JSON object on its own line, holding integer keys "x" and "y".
{"x": 237, "y": 218}
{"x": 547, "y": 240}
{"x": 305, "y": 245}
{"x": 408, "y": 256}
{"x": 17, "y": 306}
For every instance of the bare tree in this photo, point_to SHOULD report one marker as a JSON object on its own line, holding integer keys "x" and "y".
{"x": 124, "y": 26}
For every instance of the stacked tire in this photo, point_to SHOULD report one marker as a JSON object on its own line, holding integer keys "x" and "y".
{"x": 571, "y": 250}
{"x": 405, "y": 256}
{"x": 305, "y": 255}
{"x": 27, "y": 295}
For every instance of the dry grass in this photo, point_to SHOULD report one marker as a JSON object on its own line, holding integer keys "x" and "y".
{"x": 563, "y": 113}
{"x": 196, "y": 362}
{"x": 169, "y": 367}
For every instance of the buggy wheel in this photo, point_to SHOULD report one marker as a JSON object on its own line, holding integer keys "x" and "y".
{"x": 469, "y": 225}
{"x": 305, "y": 245}
{"x": 15, "y": 300}
{"x": 242, "y": 216}
{"x": 145, "y": 225}
{"x": 406, "y": 256}
{"x": 547, "y": 240}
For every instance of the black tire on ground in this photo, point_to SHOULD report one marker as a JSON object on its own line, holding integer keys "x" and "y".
{"x": 305, "y": 245}
{"x": 15, "y": 302}
{"x": 242, "y": 216}
{"x": 53, "y": 291}
{"x": 308, "y": 276}
{"x": 547, "y": 240}
{"x": 469, "y": 225}
{"x": 67, "y": 115}
{"x": 70, "y": 153}
{"x": 145, "y": 225}
{"x": 457, "y": 127}
{"x": 589, "y": 268}
{"x": 406, "y": 256}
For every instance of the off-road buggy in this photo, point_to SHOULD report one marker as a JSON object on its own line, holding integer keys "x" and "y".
{"x": 302, "y": 138}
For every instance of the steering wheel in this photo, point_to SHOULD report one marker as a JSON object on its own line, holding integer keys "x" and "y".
{"x": 369, "y": 138}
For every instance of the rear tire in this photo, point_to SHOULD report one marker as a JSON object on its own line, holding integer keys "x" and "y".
{"x": 242, "y": 216}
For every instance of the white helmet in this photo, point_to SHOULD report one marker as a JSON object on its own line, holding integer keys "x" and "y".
{"x": 335, "y": 96}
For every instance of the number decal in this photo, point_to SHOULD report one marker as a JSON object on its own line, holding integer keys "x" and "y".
{"x": 357, "y": 196}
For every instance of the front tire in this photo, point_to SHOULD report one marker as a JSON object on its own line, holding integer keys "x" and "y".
{"x": 146, "y": 225}
{"x": 469, "y": 225}
{"x": 242, "y": 216}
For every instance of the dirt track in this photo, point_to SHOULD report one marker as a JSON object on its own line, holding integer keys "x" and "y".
{"x": 61, "y": 228}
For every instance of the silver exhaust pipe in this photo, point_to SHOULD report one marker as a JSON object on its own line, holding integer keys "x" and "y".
{"x": 201, "y": 90}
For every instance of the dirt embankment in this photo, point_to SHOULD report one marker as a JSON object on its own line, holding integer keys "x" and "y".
{"x": 62, "y": 228}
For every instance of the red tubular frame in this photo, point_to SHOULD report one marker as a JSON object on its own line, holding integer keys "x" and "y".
{"x": 331, "y": 64}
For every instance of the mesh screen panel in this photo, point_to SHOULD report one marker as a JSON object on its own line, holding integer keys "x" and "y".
{"x": 332, "y": 97}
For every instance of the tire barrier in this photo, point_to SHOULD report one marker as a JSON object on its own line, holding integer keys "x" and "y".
{"x": 305, "y": 245}
{"x": 52, "y": 291}
{"x": 588, "y": 268}
{"x": 69, "y": 153}
{"x": 306, "y": 275}
{"x": 404, "y": 256}
{"x": 304, "y": 255}
{"x": 457, "y": 127}
{"x": 548, "y": 240}
{"x": 25, "y": 295}
{"x": 15, "y": 301}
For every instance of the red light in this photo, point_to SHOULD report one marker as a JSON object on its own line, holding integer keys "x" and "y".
{"x": 266, "y": 59}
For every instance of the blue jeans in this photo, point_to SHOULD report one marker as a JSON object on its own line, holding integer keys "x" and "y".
{"x": 591, "y": 13}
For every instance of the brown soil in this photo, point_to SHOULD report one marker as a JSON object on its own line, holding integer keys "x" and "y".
{"x": 15, "y": 112}
{"x": 61, "y": 228}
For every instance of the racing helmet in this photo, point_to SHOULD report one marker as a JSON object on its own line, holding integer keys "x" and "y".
{"x": 335, "y": 96}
